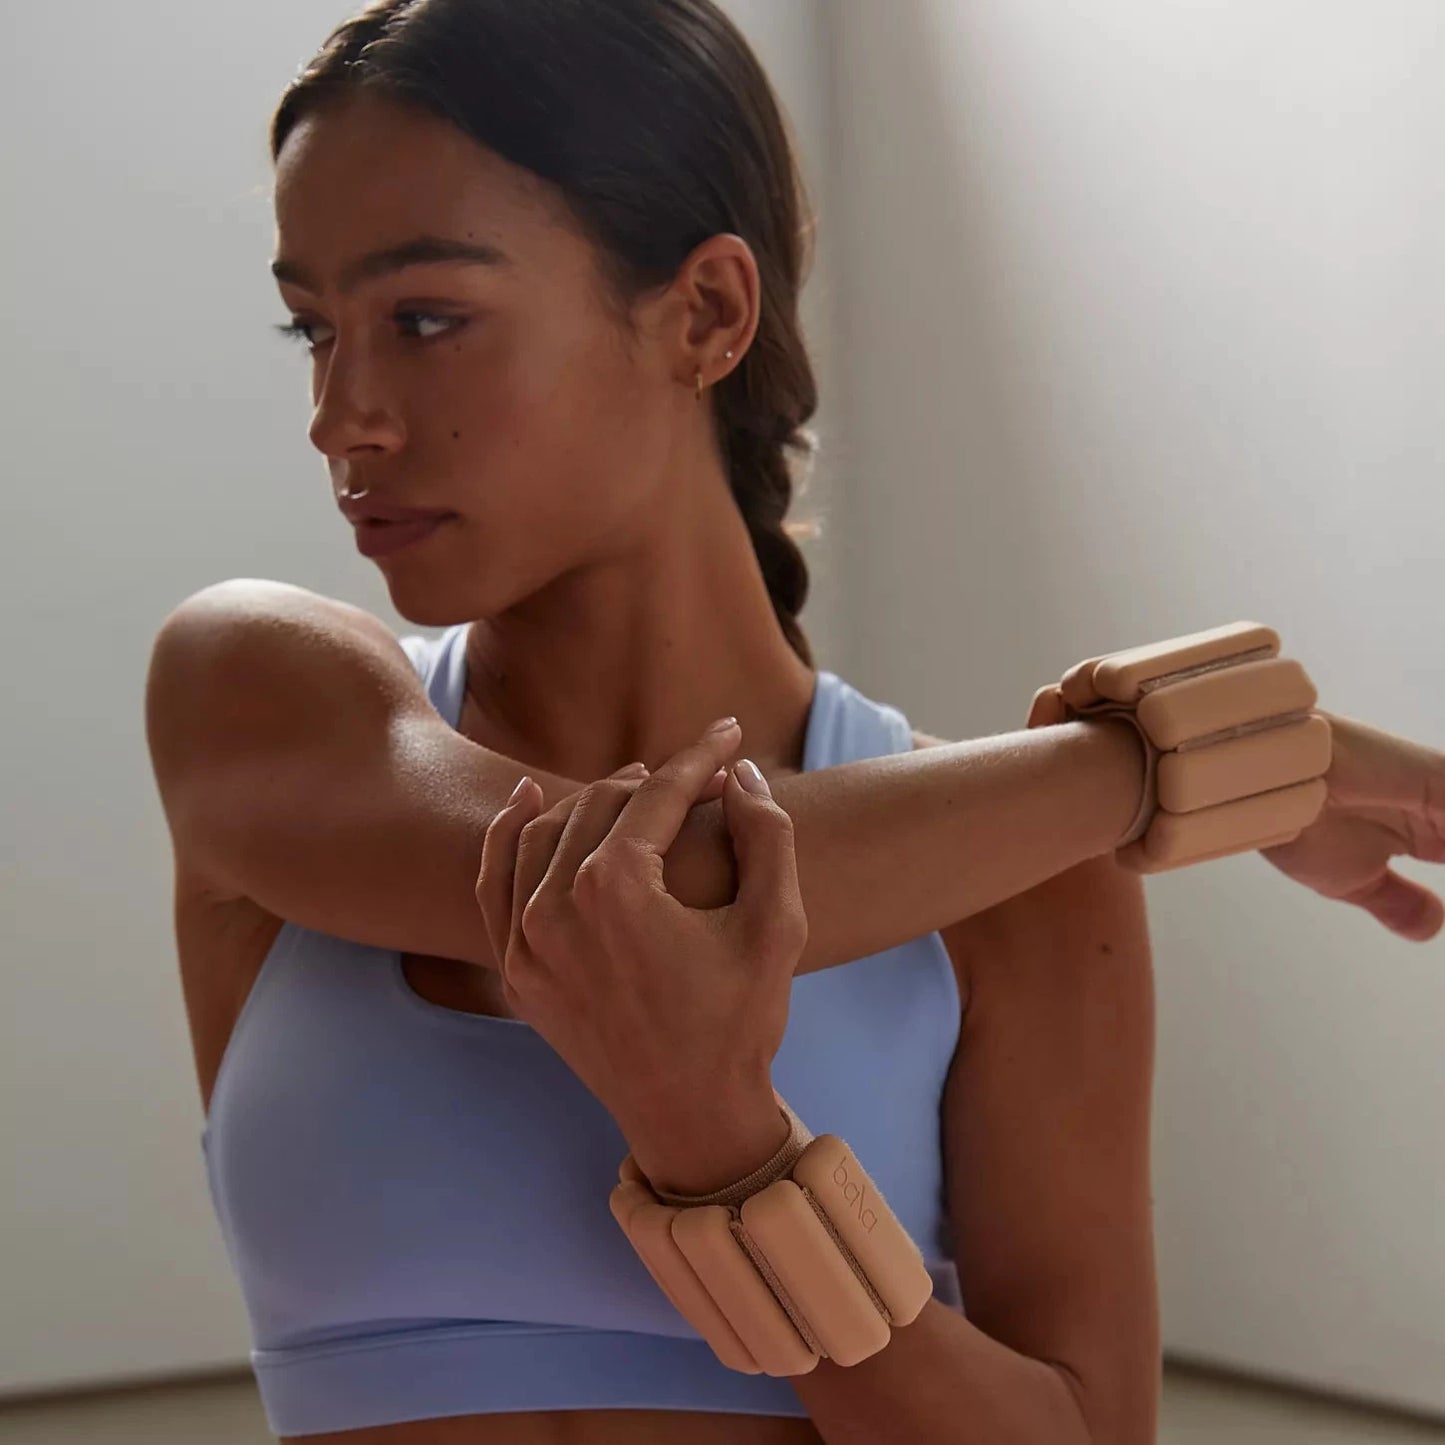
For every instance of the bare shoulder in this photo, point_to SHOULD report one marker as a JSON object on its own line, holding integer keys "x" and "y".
{"x": 239, "y": 669}
{"x": 956, "y": 936}
{"x": 271, "y": 611}
{"x": 237, "y": 651}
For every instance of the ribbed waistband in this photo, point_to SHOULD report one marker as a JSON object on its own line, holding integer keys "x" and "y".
{"x": 498, "y": 1367}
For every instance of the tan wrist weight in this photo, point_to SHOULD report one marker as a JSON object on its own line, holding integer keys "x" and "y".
{"x": 801, "y": 1261}
{"x": 1235, "y": 759}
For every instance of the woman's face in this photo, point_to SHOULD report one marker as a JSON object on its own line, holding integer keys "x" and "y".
{"x": 500, "y": 391}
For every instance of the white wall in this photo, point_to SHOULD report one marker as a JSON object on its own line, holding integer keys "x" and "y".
{"x": 156, "y": 442}
{"x": 1143, "y": 333}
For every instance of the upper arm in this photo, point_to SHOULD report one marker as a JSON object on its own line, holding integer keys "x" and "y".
{"x": 302, "y": 766}
{"x": 245, "y": 677}
{"x": 1046, "y": 1129}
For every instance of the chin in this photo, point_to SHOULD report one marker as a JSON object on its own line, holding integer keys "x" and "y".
{"x": 430, "y": 602}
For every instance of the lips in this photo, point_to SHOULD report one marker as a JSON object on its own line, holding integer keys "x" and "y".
{"x": 379, "y": 539}
{"x": 370, "y": 509}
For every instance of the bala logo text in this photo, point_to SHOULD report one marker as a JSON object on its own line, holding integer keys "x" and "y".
{"x": 853, "y": 1195}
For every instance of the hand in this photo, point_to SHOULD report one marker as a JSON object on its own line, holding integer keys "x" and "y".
{"x": 671, "y": 1016}
{"x": 1386, "y": 797}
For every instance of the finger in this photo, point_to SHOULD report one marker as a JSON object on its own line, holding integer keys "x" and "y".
{"x": 536, "y": 842}
{"x": 536, "y": 850}
{"x": 591, "y": 819}
{"x": 1048, "y": 708}
{"x": 498, "y": 867}
{"x": 657, "y": 810}
{"x": 1403, "y": 906}
{"x": 768, "y": 912}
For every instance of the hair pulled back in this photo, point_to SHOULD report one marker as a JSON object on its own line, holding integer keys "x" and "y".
{"x": 658, "y": 126}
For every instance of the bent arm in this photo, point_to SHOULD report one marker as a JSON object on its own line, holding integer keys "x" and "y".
{"x": 302, "y": 766}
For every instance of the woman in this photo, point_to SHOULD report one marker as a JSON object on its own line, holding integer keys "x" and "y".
{"x": 546, "y": 258}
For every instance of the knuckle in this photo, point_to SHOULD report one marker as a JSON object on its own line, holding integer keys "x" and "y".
{"x": 626, "y": 858}
{"x": 604, "y": 872}
{"x": 537, "y": 833}
{"x": 786, "y": 931}
{"x": 593, "y": 878}
{"x": 798, "y": 921}
{"x": 537, "y": 922}
{"x": 599, "y": 796}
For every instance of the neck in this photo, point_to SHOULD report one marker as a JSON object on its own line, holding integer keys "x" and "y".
{"x": 631, "y": 657}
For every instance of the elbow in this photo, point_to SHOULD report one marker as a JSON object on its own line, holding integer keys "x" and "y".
{"x": 1127, "y": 1416}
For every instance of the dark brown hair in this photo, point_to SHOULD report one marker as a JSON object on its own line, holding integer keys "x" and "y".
{"x": 659, "y": 127}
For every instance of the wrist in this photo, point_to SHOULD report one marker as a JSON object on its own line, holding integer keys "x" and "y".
{"x": 1119, "y": 762}
{"x": 705, "y": 1153}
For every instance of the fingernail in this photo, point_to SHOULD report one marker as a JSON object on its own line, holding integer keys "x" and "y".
{"x": 517, "y": 791}
{"x": 723, "y": 725}
{"x": 632, "y": 770}
{"x": 748, "y": 775}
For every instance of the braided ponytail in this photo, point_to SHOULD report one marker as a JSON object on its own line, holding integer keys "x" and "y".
{"x": 761, "y": 475}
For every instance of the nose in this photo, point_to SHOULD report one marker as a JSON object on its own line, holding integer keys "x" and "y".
{"x": 352, "y": 413}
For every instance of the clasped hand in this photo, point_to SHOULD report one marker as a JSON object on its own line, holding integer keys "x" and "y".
{"x": 664, "y": 1012}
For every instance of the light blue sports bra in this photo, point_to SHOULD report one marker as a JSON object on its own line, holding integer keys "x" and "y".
{"x": 415, "y": 1199}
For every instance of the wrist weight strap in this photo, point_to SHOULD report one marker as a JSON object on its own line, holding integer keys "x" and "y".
{"x": 800, "y": 1261}
{"x": 1235, "y": 759}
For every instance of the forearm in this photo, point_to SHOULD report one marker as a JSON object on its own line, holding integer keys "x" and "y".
{"x": 891, "y": 848}
{"x": 938, "y": 1381}
{"x": 942, "y": 1381}
{"x": 373, "y": 831}
{"x": 888, "y": 848}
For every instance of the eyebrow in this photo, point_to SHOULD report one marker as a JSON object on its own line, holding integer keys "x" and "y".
{"x": 420, "y": 251}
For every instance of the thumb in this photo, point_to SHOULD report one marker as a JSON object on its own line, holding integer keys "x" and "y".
{"x": 1048, "y": 708}
{"x": 1403, "y": 906}
{"x": 762, "y": 839}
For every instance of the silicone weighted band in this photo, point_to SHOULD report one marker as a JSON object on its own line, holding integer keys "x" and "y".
{"x": 1235, "y": 759}
{"x": 810, "y": 1266}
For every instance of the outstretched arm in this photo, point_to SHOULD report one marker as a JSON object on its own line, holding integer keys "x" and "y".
{"x": 302, "y": 766}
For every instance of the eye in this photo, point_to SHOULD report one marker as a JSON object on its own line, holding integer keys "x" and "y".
{"x": 413, "y": 324}
{"x": 425, "y": 318}
{"x": 298, "y": 330}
